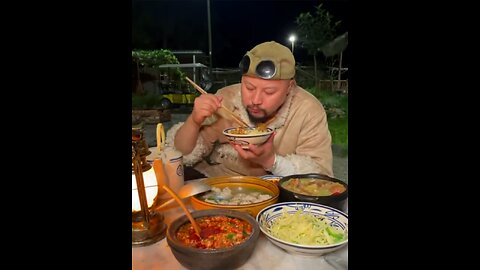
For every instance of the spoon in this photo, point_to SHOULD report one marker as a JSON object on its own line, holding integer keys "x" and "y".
{"x": 189, "y": 216}
{"x": 187, "y": 190}
{"x": 158, "y": 168}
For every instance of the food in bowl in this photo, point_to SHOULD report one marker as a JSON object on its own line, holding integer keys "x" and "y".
{"x": 245, "y": 136}
{"x": 216, "y": 232}
{"x": 236, "y": 196}
{"x": 304, "y": 228}
{"x": 231, "y": 250}
{"x": 313, "y": 187}
{"x": 246, "y": 131}
{"x": 272, "y": 178}
{"x": 250, "y": 191}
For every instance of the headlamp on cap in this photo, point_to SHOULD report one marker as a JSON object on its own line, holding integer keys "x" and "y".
{"x": 264, "y": 69}
{"x": 269, "y": 61}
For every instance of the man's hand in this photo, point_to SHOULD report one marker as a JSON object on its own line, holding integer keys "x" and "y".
{"x": 187, "y": 135}
{"x": 263, "y": 154}
{"x": 204, "y": 106}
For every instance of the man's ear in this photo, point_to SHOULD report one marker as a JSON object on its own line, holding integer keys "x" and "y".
{"x": 292, "y": 84}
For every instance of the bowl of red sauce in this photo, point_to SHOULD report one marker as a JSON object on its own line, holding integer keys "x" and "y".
{"x": 227, "y": 241}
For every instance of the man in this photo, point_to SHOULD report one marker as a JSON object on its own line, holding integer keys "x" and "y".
{"x": 301, "y": 142}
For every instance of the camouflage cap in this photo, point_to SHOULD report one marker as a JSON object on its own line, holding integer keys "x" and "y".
{"x": 279, "y": 62}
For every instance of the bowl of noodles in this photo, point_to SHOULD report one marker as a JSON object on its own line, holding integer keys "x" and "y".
{"x": 304, "y": 228}
{"x": 314, "y": 188}
{"x": 244, "y": 136}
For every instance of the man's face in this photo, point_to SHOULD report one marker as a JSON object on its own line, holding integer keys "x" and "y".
{"x": 263, "y": 98}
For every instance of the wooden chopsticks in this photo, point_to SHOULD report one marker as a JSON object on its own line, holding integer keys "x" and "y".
{"x": 264, "y": 126}
{"x": 196, "y": 86}
{"x": 232, "y": 114}
{"x": 269, "y": 121}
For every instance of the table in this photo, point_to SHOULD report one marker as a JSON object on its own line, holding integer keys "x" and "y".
{"x": 265, "y": 256}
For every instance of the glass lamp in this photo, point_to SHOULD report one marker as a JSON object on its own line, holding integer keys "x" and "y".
{"x": 148, "y": 225}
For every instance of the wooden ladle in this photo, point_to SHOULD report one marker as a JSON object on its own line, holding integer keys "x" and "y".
{"x": 159, "y": 172}
{"x": 180, "y": 202}
{"x": 192, "y": 188}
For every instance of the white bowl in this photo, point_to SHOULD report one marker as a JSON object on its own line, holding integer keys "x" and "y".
{"x": 245, "y": 139}
{"x": 335, "y": 218}
{"x": 271, "y": 178}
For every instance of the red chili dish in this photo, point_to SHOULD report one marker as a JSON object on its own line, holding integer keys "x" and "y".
{"x": 216, "y": 231}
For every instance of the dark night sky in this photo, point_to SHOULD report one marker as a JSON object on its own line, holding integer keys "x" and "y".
{"x": 237, "y": 25}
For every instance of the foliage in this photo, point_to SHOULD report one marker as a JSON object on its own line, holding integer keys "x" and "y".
{"x": 154, "y": 58}
{"x": 335, "y": 100}
{"x": 314, "y": 32}
{"x": 336, "y": 106}
{"x": 317, "y": 34}
{"x": 147, "y": 101}
{"x": 339, "y": 130}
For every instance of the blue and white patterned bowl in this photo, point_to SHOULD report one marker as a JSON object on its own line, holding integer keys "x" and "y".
{"x": 335, "y": 218}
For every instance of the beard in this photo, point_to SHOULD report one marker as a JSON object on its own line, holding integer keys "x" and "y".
{"x": 255, "y": 119}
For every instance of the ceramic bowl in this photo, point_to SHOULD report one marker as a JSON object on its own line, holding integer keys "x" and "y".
{"x": 336, "y": 200}
{"x": 243, "y": 184}
{"x": 213, "y": 259}
{"x": 252, "y": 137}
{"x": 272, "y": 178}
{"x": 332, "y": 216}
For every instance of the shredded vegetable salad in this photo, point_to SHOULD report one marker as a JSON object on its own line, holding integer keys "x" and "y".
{"x": 305, "y": 229}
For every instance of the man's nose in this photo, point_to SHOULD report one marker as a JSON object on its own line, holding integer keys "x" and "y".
{"x": 257, "y": 98}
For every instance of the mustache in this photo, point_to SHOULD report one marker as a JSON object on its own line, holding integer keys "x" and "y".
{"x": 254, "y": 107}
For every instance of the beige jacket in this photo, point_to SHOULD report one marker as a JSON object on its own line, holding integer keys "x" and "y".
{"x": 302, "y": 137}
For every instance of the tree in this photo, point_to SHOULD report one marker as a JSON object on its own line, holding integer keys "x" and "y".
{"x": 315, "y": 32}
{"x": 153, "y": 59}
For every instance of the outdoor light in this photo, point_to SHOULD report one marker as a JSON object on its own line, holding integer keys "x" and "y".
{"x": 147, "y": 224}
{"x": 292, "y": 39}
